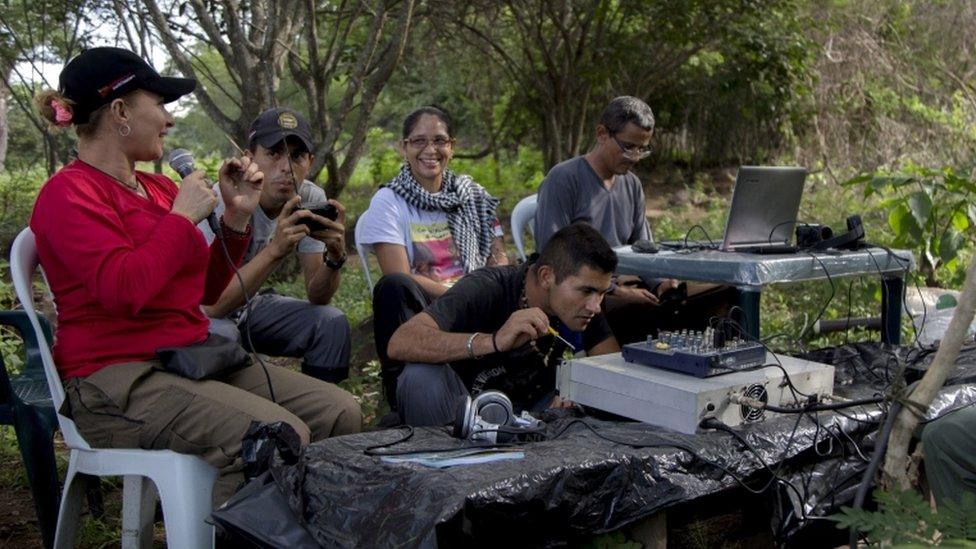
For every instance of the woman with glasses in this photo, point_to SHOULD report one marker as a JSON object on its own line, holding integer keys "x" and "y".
{"x": 428, "y": 227}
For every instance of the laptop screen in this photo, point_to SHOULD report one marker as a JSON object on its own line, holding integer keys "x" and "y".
{"x": 765, "y": 202}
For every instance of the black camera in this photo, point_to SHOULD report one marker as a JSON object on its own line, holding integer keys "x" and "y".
{"x": 811, "y": 234}
{"x": 821, "y": 237}
{"x": 324, "y": 209}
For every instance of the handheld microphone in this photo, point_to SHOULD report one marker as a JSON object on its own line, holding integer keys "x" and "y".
{"x": 182, "y": 163}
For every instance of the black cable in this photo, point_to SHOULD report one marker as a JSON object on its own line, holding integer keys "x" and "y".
{"x": 372, "y": 450}
{"x": 369, "y": 450}
{"x": 786, "y": 375}
{"x": 769, "y": 240}
{"x": 833, "y": 292}
{"x": 509, "y": 430}
{"x": 879, "y": 451}
{"x": 850, "y": 308}
{"x": 711, "y": 243}
{"x": 247, "y": 312}
{"x": 823, "y": 407}
{"x": 860, "y": 453}
{"x": 815, "y": 418}
{"x": 857, "y": 419}
{"x": 774, "y": 475}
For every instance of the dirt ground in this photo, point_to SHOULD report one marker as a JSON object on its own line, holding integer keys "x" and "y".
{"x": 18, "y": 521}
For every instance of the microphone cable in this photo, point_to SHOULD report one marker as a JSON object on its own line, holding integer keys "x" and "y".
{"x": 181, "y": 161}
{"x": 248, "y": 302}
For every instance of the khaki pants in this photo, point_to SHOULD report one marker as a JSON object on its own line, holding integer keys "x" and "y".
{"x": 139, "y": 405}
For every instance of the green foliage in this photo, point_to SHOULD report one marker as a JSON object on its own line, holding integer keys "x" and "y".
{"x": 904, "y": 518}
{"x": 931, "y": 212}
{"x": 612, "y": 540}
{"x": 507, "y": 176}
{"x": 11, "y": 345}
{"x": 743, "y": 96}
{"x": 891, "y": 83}
{"x": 18, "y": 188}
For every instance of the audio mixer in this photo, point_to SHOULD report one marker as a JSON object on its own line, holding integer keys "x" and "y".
{"x": 699, "y": 353}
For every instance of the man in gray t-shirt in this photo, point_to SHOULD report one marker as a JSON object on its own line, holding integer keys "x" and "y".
{"x": 573, "y": 191}
{"x": 280, "y": 143}
{"x": 600, "y": 189}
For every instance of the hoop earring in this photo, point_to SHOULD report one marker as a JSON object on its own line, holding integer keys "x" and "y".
{"x": 125, "y": 130}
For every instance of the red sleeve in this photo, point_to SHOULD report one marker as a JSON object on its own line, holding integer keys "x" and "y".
{"x": 92, "y": 240}
{"x": 219, "y": 271}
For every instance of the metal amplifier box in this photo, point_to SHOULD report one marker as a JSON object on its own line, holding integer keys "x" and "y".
{"x": 680, "y": 402}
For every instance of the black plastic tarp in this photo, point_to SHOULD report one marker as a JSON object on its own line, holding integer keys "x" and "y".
{"x": 579, "y": 482}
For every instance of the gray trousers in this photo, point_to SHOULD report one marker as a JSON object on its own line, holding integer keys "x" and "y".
{"x": 950, "y": 454}
{"x": 429, "y": 394}
{"x": 285, "y": 326}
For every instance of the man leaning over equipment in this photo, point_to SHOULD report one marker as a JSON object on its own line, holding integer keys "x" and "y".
{"x": 495, "y": 329}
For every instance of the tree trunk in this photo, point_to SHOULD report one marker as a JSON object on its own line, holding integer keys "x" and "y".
{"x": 895, "y": 471}
{"x": 50, "y": 153}
{"x": 4, "y": 129}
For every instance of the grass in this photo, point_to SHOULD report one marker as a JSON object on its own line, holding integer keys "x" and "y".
{"x": 787, "y": 309}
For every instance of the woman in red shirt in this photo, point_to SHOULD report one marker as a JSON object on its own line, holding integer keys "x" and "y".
{"x": 129, "y": 270}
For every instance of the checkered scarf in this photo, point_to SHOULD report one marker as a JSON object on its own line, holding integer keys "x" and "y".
{"x": 470, "y": 212}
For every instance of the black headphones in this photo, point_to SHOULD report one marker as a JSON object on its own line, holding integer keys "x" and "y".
{"x": 821, "y": 237}
{"x": 490, "y": 417}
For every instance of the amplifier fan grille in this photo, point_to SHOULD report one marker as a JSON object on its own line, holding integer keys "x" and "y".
{"x": 758, "y": 392}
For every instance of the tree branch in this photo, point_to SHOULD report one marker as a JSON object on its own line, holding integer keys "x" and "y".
{"x": 895, "y": 473}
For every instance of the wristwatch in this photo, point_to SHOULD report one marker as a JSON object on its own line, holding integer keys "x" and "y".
{"x": 334, "y": 265}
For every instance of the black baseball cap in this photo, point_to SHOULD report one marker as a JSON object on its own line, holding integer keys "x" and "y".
{"x": 273, "y": 125}
{"x": 99, "y": 75}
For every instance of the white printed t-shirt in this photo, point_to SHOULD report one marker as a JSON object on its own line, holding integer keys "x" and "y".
{"x": 424, "y": 233}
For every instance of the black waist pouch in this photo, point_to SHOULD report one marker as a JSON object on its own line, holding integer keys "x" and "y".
{"x": 213, "y": 357}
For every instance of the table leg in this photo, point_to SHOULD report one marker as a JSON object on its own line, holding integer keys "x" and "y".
{"x": 892, "y": 290}
{"x": 748, "y": 301}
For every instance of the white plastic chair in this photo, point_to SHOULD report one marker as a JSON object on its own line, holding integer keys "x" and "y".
{"x": 184, "y": 482}
{"x": 363, "y": 250}
{"x": 522, "y": 215}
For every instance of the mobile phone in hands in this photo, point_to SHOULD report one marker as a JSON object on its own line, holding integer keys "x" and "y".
{"x": 324, "y": 209}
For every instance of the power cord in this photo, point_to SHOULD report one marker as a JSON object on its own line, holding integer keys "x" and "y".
{"x": 769, "y": 240}
{"x": 376, "y": 449}
{"x": 833, "y": 292}
{"x": 775, "y": 476}
{"x": 711, "y": 243}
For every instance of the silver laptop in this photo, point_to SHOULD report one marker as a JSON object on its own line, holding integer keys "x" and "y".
{"x": 765, "y": 201}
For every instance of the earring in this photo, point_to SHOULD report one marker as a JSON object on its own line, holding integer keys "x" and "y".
{"x": 125, "y": 130}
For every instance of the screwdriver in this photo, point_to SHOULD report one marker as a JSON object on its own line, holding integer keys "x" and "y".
{"x": 552, "y": 331}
